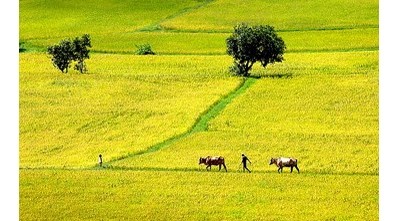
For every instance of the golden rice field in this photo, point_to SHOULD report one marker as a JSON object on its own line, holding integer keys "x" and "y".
{"x": 220, "y": 15}
{"x": 176, "y": 195}
{"x": 329, "y": 119}
{"x": 152, "y": 117}
{"x": 175, "y": 43}
{"x": 325, "y": 114}
{"x": 114, "y": 110}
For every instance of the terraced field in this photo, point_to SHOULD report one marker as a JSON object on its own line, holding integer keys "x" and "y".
{"x": 152, "y": 117}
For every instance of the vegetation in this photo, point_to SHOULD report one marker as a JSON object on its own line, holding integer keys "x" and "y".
{"x": 250, "y": 44}
{"x": 327, "y": 116}
{"x": 22, "y": 47}
{"x": 177, "y": 43}
{"x": 77, "y": 113}
{"x": 81, "y": 52}
{"x": 67, "y": 51}
{"x": 200, "y": 31}
{"x": 62, "y": 55}
{"x": 175, "y": 195}
{"x": 40, "y": 19}
{"x": 144, "y": 49}
{"x": 152, "y": 117}
{"x": 285, "y": 15}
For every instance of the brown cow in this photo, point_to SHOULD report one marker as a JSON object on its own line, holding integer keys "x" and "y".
{"x": 209, "y": 161}
{"x": 284, "y": 162}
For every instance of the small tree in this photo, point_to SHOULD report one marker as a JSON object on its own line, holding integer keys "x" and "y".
{"x": 144, "y": 49}
{"x": 67, "y": 51}
{"x": 250, "y": 44}
{"x": 22, "y": 47}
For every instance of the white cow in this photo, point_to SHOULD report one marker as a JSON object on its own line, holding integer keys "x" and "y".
{"x": 284, "y": 162}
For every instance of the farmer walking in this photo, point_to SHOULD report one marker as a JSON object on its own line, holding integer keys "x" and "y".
{"x": 100, "y": 160}
{"x": 244, "y": 162}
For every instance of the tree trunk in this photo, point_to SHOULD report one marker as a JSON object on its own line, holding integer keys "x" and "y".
{"x": 248, "y": 68}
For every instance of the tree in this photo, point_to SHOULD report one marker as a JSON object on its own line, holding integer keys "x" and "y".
{"x": 67, "y": 51}
{"x": 22, "y": 47}
{"x": 251, "y": 44}
{"x": 81, "y": 52}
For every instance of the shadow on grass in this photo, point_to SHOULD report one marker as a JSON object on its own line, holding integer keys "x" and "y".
{"x": 273, "y": 76}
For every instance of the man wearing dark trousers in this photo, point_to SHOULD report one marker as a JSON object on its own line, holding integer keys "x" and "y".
{"x": 244, "y": 161}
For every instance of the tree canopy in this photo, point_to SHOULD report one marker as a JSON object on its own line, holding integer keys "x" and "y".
{"x": 251, "y": 44}
{"x": 67, "y": 51}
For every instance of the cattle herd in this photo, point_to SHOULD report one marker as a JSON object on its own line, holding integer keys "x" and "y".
{"x": 280, "y": 162}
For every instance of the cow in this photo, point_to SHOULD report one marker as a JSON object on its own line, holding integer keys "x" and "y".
{"x": 209, "y": 161}
{"x": 284, "y": 162}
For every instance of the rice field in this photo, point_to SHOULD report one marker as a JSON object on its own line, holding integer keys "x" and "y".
{"x": 199, "y": 43}
{"x": 74, "y": 118}
{"x": 49, "y": 19}
{"x": 222, "y": 15}
{"x": 175, "y": 195}
{"x": 170, "y": 26}
{"x": 302, "y": 113}
{"x": 152, "y": 117}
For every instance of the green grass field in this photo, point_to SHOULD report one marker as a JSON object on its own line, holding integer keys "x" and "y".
{"x": 152, "y": 117}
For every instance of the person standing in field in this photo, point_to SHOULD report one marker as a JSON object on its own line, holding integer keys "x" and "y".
{"x": 100, "y": 160}
{"x": 244, "y": 162}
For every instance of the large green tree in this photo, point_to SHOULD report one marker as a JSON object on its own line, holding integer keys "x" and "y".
{"x": 251, "y": 44}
